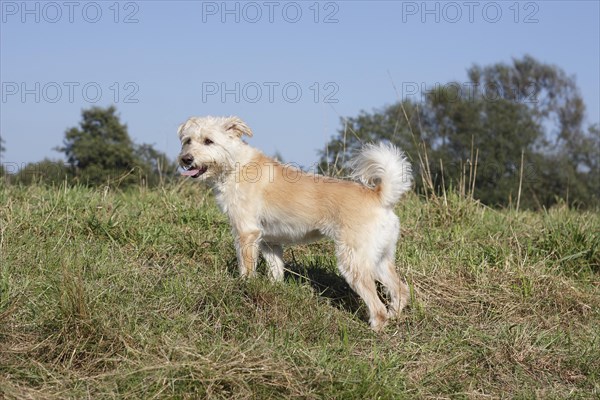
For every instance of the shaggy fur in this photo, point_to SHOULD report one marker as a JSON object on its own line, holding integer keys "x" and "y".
{"x": 270, "y": 205}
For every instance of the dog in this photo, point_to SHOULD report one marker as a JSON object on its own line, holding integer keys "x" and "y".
{"x": 270, "y": 205}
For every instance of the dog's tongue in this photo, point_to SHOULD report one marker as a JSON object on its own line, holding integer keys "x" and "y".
{"x": 190, "y": 172}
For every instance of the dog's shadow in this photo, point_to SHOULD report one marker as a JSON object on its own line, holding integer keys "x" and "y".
{"x": 321, "y": 279}
{"x": 326, "y": 284}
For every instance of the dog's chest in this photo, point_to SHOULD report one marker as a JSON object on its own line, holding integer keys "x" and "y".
{"x": 232, "y": 202}
{"x": 238, "y": 204}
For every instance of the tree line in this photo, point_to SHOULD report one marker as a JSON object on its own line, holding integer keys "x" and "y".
{"x": 100, "y": 152}
{"x": 510, "y": 131}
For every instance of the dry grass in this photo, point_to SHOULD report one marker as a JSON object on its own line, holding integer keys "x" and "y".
{"x": 135, "y": 295}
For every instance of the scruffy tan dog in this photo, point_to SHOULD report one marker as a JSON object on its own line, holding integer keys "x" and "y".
{"x": 270, "y": 204}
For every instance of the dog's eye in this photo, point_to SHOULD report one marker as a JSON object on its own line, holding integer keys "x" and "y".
{"x": 208, "y": 142}
{"x": 187, "y": 141}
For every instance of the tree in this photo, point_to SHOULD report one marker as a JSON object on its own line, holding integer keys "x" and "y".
{"x": 388, "y": 124}
{"x": 592, "y": 160}
{"x": 100, "y": 151}
{"x": 552, "y": 96}
{"x": 564, "y": 150}
{"x": 2, "y": 150}
{"x": 527, "y": 108}
{"x": 495, "y": 132}
{"x": 47, "y": 172}
{"x": 154, "y": 166}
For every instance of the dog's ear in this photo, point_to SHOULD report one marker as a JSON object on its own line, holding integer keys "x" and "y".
{"x": 237, "y": 127}
{"x": 180, "y": 130}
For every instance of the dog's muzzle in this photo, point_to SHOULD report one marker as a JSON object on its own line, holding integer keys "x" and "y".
{"x": 187, "y": 163}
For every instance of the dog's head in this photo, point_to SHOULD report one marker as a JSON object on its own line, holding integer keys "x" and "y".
{"x": 211, "y": 146}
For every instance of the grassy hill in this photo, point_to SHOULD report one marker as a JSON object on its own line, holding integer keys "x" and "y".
{"x": 105, "y": 294}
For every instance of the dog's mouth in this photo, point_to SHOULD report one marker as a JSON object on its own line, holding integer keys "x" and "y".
{"x": 194, "y": 172}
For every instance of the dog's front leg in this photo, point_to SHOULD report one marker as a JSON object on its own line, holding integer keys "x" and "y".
{"x": 247, "y": 244}
{"x": 273, "y": 255}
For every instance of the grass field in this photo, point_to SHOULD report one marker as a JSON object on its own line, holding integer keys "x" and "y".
{"x": 105, "y": 294}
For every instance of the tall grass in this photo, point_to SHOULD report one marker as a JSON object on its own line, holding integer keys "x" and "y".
{"x": 109, "y": 294}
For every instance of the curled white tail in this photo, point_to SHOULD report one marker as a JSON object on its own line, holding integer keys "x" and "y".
{"x": 383, "y": 167}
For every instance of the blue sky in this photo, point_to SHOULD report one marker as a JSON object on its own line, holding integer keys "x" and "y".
{"x": 289, "y": 69}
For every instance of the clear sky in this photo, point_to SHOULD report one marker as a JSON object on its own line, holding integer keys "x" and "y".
{"x": 289, "y": 69}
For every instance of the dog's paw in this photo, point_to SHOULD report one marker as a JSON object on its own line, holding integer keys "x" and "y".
{"x": 379, "y": 322}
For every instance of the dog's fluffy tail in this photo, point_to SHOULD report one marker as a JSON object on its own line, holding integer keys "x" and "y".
{"x": 384, "y": 168}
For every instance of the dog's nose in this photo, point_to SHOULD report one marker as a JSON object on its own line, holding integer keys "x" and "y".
{"x": 187, "y": 159}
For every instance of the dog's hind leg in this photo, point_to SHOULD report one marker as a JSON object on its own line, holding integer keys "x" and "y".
{"x": 273, "y": 255}
{"x": 365, "y": 287}
{"x": 360, "y": 279}
{"x": 396, "y": 289}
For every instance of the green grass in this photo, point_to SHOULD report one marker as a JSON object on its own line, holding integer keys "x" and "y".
{"x": 105, "y": 294}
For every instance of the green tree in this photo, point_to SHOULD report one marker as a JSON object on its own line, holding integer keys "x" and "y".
{"x": 472, "y": 128}
{"x": 553, "y": 97}
{"x": 591, "y": 161}
{"x": 47, "y": 172}
{"x": 388, "y": 124}
{"x": 101, "y": 150}
{"x": 555, "y": 101}
{"x": 526, "y": 107}
{"x": 2, "y": 150}
{"x": 155, "y": 168}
